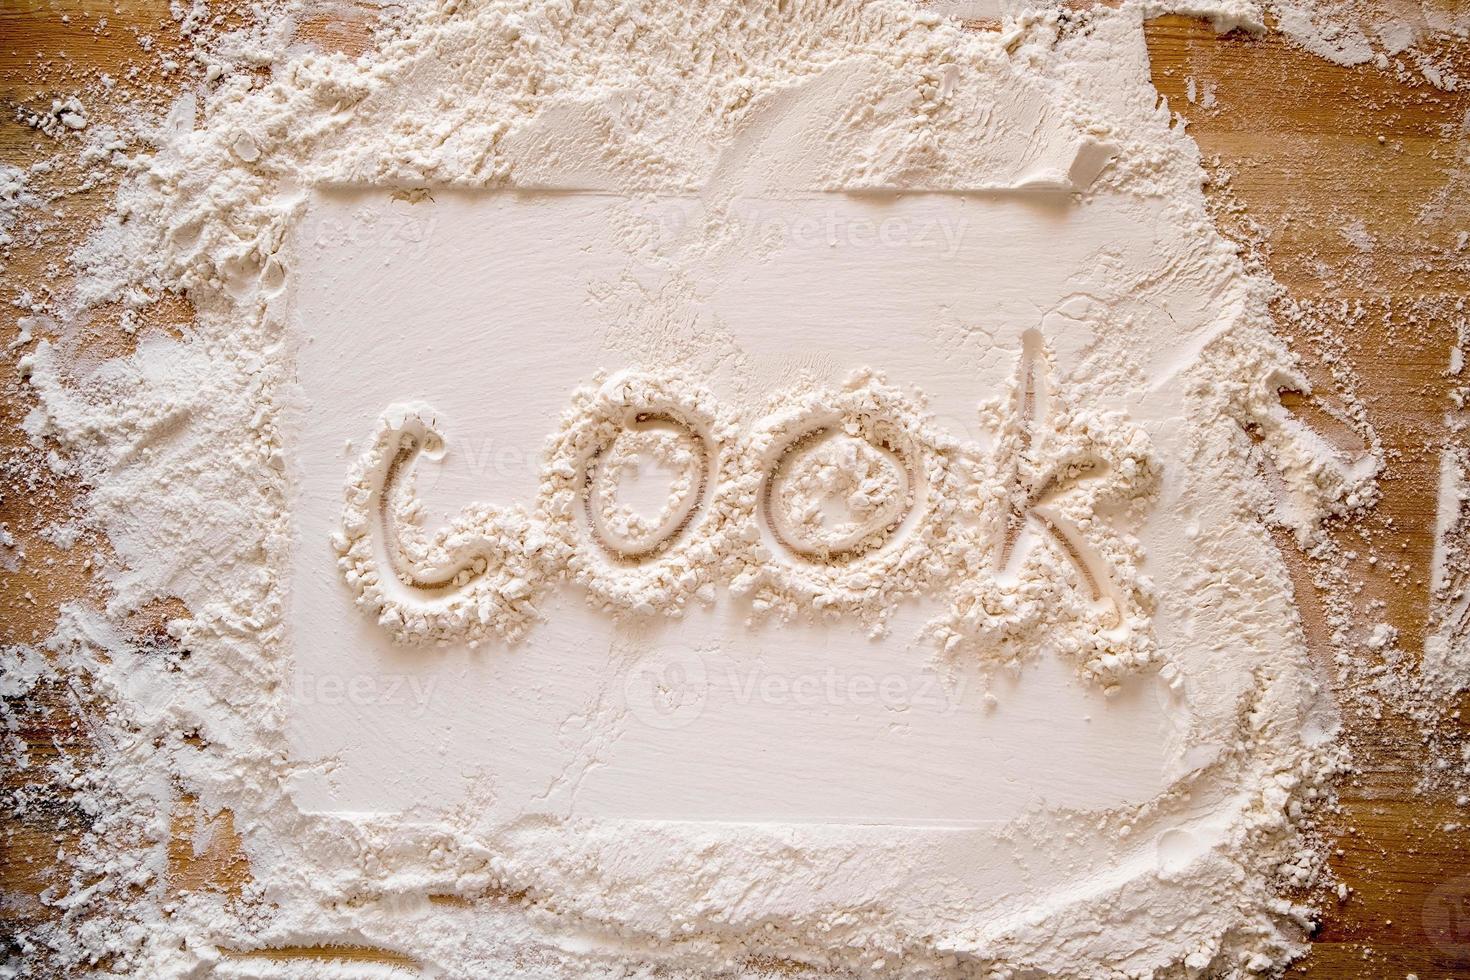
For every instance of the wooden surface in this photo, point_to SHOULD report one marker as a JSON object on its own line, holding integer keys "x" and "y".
{"x": 1299, "y": 150}
{"x": 1298, "y": 140}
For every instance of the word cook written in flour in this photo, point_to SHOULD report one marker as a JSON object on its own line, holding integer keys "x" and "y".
{"x": 839, "y": 502}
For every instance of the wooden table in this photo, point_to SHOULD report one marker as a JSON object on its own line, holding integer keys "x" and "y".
{"x": 1298, "y": 150}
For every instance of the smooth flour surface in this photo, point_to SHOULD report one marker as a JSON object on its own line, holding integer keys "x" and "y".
{"x": 755, "y": 490}
{"x": 534, "y": 281}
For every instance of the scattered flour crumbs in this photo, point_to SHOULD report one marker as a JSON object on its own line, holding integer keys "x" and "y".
{"x": 1099, "y": 505}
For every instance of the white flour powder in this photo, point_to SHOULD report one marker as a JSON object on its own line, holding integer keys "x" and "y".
{"x": 1050, "y": 439}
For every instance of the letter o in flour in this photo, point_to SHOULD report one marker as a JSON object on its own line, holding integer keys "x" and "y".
{"x": 848, "y": 481}
{"x": 866, "y": 477}
{"x": 627, "y": 559}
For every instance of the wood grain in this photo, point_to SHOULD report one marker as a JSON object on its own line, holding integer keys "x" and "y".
{"x": 1299, "y": 149}
{"x": 1295, "y": 144}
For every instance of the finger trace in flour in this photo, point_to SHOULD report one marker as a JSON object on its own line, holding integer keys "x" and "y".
{"x": 746, "y": 510}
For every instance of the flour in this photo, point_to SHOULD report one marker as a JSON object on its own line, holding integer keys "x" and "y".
{"x": 1073, "y": 463}
{"x": 624, "y": 528}
{"x": 1055, "y": 468}
{"x": 865, "y": 571}
{"x": 489, "y": 548}
{"x": 16, "y": 197}
{"x": 1392, "y": 38}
